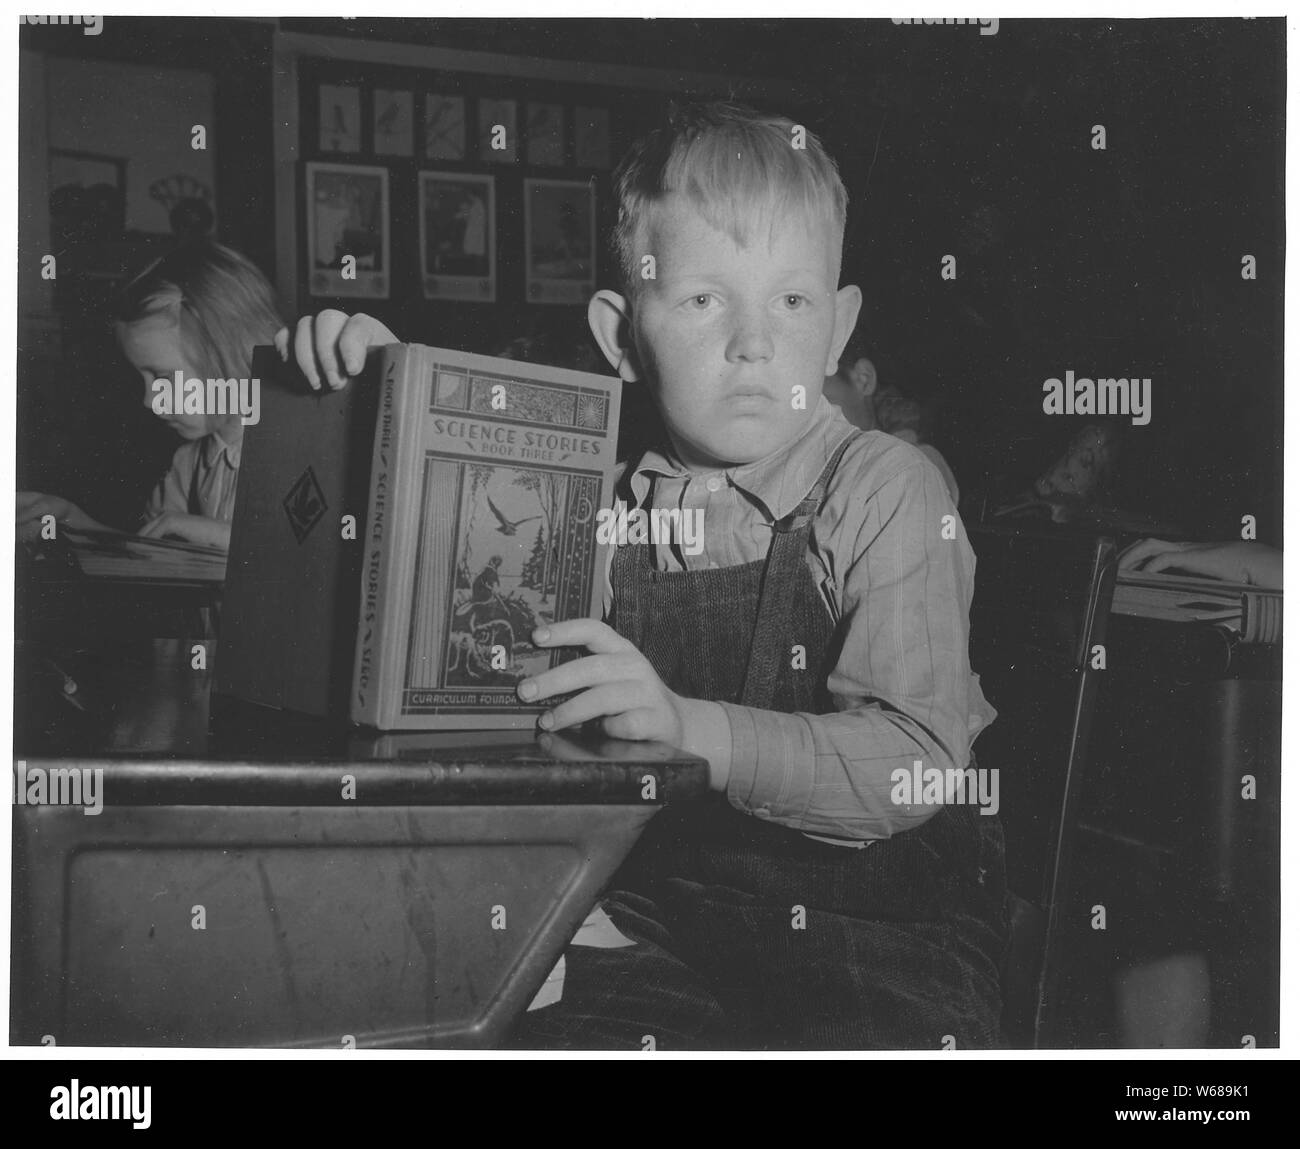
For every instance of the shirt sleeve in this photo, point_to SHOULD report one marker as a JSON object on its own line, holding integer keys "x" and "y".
{"x": 902, "y": 685}
{"x": 932, "y": 453}
{"x": 171, "y": 491}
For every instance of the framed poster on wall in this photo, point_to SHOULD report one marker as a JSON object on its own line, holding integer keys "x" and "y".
{"x": 347, "y": 231}
{"x": 394, "y": 119}
{"x": 458, "y": 236}
{"x": 444, "y": 127}
{"x": 497, "y": 131}
{"x": 559, "y": 241}
{"x": 546, "y": 135}
{"x": 340, "y": 118}
{"x": 591, "y": 137}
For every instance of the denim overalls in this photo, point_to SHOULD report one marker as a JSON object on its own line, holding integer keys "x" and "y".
{"x": 750, "y": 934}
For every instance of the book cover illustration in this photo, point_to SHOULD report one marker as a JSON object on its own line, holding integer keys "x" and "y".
{"x": 486, "y": 525}
{"x": 508, "y": 569}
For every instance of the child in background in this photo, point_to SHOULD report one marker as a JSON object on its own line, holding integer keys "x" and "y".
{"x": 855, "y": 389}
{"x": 200, "y": 310}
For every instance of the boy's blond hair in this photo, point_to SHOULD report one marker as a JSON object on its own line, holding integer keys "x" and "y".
{"x": 735, "y": 165}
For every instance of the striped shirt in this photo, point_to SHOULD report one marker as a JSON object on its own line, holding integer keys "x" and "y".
{"x": 899, "y": 592}
{"x": 201, "y": 481}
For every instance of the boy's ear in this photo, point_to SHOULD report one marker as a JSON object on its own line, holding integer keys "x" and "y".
{"x": 848, "y": 302}
{"x": 610, "y": 320}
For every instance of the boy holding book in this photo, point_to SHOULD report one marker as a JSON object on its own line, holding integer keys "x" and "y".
{"x": 813, "y": 650}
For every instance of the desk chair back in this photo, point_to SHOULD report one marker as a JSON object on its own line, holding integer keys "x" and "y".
{"x": 1038, "y": 631}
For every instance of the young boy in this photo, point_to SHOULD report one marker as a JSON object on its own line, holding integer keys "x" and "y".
{"x": 815, "y": 648}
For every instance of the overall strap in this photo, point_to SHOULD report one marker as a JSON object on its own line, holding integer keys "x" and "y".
{"x": 785, "y": 562}
{"x": 626, "y": 568}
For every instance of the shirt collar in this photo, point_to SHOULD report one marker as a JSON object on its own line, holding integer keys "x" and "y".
{"x": 214, "y": 446}
{"x": 780, "y": 482}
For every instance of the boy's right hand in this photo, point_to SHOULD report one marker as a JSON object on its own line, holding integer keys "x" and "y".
{"x": 333, "y": 344}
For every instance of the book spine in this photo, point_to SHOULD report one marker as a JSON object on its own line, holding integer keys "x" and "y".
{"x": 375, "y": 622}
{"x": 410, "y": 402}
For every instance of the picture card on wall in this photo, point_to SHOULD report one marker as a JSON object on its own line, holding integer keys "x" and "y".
{"x": 393, "y": 123}
{"x": 591, "y": 137}
{"x": 498, "y": 135}
{"x": 546, "y": 135}
{"x": 347, "y": 231}
{"x": 444, "y": 127}
{"x": 340, "y": 119}
{"x": 559, "y": 241}
{"x": 458, "y": 236}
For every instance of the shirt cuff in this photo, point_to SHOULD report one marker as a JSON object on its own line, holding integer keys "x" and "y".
{"x": 772, "y": 759}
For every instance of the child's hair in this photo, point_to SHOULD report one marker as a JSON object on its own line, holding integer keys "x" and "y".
{"x": 897, "y": 411}
{"x": 734, "y": 165}
{"x": 223, "y": 304}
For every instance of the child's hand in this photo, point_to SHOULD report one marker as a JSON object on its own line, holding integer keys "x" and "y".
{"x": 617, "y": 681}
{"x": 334, "y": 344}
{"x": 1242, "y": 562}
{"x": 191, "y": 528}
{"x": 34, "y": 506}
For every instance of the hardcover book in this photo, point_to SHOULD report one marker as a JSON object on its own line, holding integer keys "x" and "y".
{"x": 288, "y": 629}
{"x": 486, "y": 481}
{"x": 1252, "y": 612}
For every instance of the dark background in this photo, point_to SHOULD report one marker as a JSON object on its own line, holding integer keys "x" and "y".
{"x": 1115, "y": 263}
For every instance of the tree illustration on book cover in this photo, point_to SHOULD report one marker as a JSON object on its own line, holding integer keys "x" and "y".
{"x": 512, "y": 559}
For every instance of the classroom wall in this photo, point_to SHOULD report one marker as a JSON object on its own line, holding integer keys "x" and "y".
{"x": 1111, "y": 263}
{"x": 1116, "y": 262}
{"x": 150, "y": 110}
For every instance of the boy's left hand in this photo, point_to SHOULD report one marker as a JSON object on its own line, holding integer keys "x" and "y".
{"x": 617, "y": 682}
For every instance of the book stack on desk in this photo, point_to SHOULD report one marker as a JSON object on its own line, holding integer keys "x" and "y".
{"x": 113, "y": 555}
{"x": 1253, "y": 613}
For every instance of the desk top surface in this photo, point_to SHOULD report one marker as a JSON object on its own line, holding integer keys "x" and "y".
{"x": 148, "y": 719}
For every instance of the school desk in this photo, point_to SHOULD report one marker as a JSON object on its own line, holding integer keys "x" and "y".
{"x": 1181, "y": 820}
{"x": 282, "y": 882}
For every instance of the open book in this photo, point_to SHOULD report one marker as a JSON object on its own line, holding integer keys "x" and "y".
{"x": 114, "y": 555}
{"x": 1250, "y": 611}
